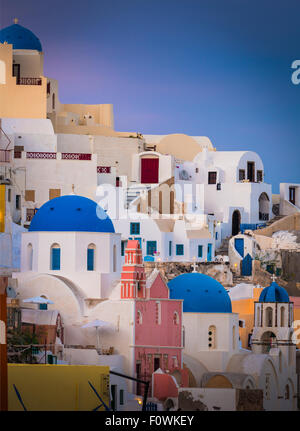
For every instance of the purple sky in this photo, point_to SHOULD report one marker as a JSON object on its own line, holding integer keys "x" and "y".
{"x": 220, "y": 68}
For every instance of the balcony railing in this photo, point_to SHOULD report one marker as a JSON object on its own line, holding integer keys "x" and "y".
{"x": 103, "y": 169}
{"x": 263, "y": 216}
{"x": 29, "y": 81}
{"x": 40, "y": 155}
{"x": 5, "y": 156}
{"x": 76, "y": 156}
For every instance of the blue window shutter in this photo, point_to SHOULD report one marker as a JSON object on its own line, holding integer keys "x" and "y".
{"x": 134, "y": 228}
{"x": 90, "y": 259}
{"x": 56, "y": 259}
{"x": 200, "y": 250}
{"x": 170, "y": 248}
{"x": 179, "y": 250}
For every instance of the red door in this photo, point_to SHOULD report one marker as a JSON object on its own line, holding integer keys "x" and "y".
{"x": 149, "y": 173}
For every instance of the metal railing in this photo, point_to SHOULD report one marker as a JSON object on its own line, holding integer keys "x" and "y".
{"x": 29, "y": 81}
{"x": 40, "y": 155}
{"x": 76, "y": 156}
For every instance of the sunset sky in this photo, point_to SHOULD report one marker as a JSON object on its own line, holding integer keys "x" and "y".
{"x": 218, "y": 68}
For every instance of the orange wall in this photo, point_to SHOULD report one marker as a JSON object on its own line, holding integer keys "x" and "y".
{"x": 245, "y": 309}
{"x": 19, "y": 101}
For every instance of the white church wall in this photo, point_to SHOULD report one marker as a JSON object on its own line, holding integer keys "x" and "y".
{"x": 196, "y": 338}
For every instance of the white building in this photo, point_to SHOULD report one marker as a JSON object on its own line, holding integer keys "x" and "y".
{"x": 211, "y": 342}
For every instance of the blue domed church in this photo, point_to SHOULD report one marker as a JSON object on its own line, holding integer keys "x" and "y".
{"x": 211, "y": 330}
{"x": 71, "y": 245}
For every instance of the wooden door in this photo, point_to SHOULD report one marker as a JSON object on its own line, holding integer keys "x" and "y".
{"x": 149, "y": 171}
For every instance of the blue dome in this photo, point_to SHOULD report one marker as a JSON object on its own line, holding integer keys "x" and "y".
{"x": 20, "y": 37}
{"x": 200, "y": 293}
{"x": 274, "y": 293}
{"x": 71, "y": 213}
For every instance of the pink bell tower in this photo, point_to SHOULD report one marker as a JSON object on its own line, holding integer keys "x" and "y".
{"x": 133, "y": 277}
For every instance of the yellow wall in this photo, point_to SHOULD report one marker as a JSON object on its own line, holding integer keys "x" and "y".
{"x": 19, "y": 101}
{"x": 2, "y": 208}
{"x": 57, "y": 387}
{"x": 245, "y": 309}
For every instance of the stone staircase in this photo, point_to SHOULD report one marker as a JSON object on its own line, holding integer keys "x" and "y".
{"x": 274, "y": 219}
{"x": 238, "y": 279}
{"x": 223, "y": 249}
{"x": 133, "y": 192}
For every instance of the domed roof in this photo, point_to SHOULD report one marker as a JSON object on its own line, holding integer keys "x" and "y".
{"x": 71, "y": 213}
{"x": 20, "y": 37}
{"x": 200, "y": 293}
{"x": 274, "y": 293}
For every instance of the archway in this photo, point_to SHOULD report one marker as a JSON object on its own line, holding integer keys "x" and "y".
{"x": 263, "y": 204}
{"x": 236, "y": 221}
{"x": 268, "y": 341}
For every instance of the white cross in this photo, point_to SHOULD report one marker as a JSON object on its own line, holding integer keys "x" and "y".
{"x": 194, "y": 267}
{"x": 273, "y": 278}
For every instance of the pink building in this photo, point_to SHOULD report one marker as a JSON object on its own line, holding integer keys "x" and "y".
{"x": 158, "y": 319}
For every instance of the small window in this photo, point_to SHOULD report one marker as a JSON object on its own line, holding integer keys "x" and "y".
{"x": 176, "y": 318}
{"x": 48, "y": 88}
{"x": 287, "y": 392}
{"x": 54, "y": 193}
{"x": 242, "y": 174}
{"x": 216, "y": 235}
{"x": 259, "y": 176}
{"x": 55, "y": 257}
{"x": 123, "y": 247}
{"x": 170, "y": 248}
{"x": 53, "y": 101}
{"x": 121, "y": 396}
{"x": 219, "y": 186}
{"x": 179, "y": 249}
{"x": 9, "y": 195}
{"x": 134, "y": 228}
{"x": 139, "y": 318}
{"x": 29, "y": 195}
{"x": 91, "y": 257}
{"x": 212, "y": 337}
{"x": 18, "y": 202}
{"x": 158, "y": 313}
{"x": 200, "y": 250}
{"x": 212, "y": 177}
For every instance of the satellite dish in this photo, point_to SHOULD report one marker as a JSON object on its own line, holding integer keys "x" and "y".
{"x": 184, "y": 175}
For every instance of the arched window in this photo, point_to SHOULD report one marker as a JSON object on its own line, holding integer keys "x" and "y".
{"x": 176, "y": 318}
{"x": 29, "y": 257}
{"x": 43, "y": 306}
{"x": 53, "y": 101}
{"x": 55, "y": 257}
{"x": 282, "y": 316}
{"x": 269, "y": 317}
{"x": 139, "y": 318}
{"x": 287, "y": 392}
{"x": 114, "y": 258}
{"x": 91, "y": 257}
{"x": 212, "y": 337}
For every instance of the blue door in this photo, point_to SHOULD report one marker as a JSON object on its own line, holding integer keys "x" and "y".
{"x": 247, "y": 265}
{"x": 209, "y": 249}
{"x": 239, "y": 245}
{"x": 151, "y": 248}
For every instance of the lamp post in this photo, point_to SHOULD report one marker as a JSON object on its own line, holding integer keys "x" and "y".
{"x": 3, "y": 347}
